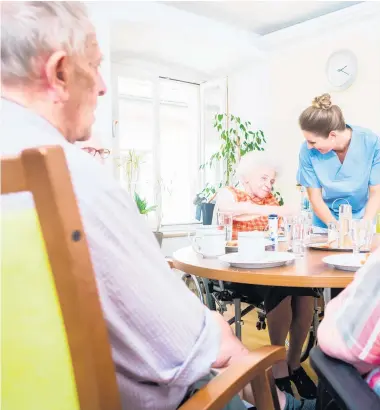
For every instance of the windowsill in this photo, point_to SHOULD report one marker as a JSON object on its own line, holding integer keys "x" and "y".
{"x": 179, "y": 230}
{"x": 173, "y": 234}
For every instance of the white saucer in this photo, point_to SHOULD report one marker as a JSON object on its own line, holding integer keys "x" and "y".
{"x": 269, "y": 260}
{"x": 347, "y": 262}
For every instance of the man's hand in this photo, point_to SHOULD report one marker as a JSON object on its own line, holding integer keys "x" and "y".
{"x": 230, "y": 346}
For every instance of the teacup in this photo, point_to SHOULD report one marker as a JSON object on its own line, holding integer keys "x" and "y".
{"x": 209, "y": 241}
{"x": 252, "y": 245}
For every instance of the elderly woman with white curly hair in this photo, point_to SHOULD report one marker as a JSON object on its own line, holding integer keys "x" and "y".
{"x": 289, "y": 310}
{"x": 252, "y": 201}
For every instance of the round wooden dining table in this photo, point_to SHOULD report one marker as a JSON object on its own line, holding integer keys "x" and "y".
{"x": 308, "y": 271}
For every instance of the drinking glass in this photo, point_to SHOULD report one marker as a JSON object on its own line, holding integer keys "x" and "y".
{"x": 288, "y": 230}
{"x": 333, "y": 235}
{"x": 308, "y": 224}
{"x": 301, "y": 232}
{"x": 224, "y": 220}
{"x": 361, "y": 235}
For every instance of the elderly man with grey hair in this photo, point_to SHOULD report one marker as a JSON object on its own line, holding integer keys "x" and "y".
{"x": 289, "y": 310}
{"x": 162, "y": 346}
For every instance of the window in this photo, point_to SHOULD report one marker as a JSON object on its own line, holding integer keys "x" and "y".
{"x": 213, "y": 101}
{"x": 160, "y": 144}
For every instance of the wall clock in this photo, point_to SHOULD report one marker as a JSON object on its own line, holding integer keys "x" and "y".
{"x": 341, "y": 69}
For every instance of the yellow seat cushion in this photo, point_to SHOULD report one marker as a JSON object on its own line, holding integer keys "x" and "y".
{"x": 37, "y": 373}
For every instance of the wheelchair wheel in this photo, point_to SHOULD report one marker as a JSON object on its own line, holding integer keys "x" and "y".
{"x": 210, "y": 301}
{"x": 195, "y": 286}
{"x": 308, "y": 345}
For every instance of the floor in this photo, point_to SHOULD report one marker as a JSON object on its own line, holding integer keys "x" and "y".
{"x": 253, "y": 338}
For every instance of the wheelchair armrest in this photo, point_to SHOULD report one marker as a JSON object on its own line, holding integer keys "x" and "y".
{"x": 250, "y": 369}
{"x": 343, "y": 382}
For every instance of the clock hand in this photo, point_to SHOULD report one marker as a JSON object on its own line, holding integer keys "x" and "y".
{"x": 341, "y": 69}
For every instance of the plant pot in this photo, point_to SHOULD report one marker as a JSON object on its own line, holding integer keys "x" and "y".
{"x": 207, "y": 212}
{"x": 159, "y": 236}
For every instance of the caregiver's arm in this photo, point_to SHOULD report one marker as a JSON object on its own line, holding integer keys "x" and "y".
{"x": 319, "y": 207}
{"x": 373, "y": 204}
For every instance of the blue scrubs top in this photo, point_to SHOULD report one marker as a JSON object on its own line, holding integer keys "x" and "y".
{"x": 349, "y": 181}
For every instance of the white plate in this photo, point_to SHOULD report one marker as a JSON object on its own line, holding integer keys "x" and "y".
{"x": 347, "y": 262}
{"x": 269, "y": 260}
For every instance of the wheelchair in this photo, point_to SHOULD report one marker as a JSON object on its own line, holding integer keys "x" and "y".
{"x": 217, "y": 295}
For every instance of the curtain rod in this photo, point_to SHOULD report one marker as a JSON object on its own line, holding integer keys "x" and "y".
{"x": 180, "y": 81}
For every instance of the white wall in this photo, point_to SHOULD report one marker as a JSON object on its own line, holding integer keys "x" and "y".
{"x": 273, "y": 93}
{"x": 102, "y": 127}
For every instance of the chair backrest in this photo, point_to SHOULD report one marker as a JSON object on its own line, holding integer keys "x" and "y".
{"x": 55, "y": 348}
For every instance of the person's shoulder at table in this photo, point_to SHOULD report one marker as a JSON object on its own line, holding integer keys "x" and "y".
{"x": 367, "y": 136}
{"x": 306, "y": 153}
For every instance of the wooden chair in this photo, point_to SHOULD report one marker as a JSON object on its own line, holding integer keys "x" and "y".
{"x": 55, "y": 346}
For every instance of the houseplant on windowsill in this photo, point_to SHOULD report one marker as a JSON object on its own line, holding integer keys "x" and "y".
{"x": 144, "y": 210}
{"x": 237, "y": 139}
{"x": 204, "y": 206}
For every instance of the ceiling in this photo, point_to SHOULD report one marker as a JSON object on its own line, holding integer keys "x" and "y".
{"x": 261, "y": 17}
{"x": 200, "y": 40}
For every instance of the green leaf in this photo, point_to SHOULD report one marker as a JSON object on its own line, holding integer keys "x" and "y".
{"x": 259, "y": 141}
{"x": 242, "y": 127}
{"x": 238, "y": 120}
{"x": 142, "y": 205}
{"x": 220, "y": 117}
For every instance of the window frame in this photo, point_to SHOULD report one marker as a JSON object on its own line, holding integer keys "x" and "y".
{"x": 156, "y": 80}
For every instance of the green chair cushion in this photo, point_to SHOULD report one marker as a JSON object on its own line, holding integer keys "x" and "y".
{"x": 37, "y": 373}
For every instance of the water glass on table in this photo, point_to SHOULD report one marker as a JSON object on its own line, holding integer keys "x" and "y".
{"x": 224, "y": 220}
{"x": 333, "y": 235}
{"x": 301, "y": 233}
{"x": 361, "y": 235}
{"x": 288, "y": 230}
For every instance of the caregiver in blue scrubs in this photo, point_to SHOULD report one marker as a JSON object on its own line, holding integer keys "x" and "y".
{"x": 338, "y": 163}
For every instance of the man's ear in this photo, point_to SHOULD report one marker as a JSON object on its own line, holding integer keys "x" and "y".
{"x": 57, "y": 75}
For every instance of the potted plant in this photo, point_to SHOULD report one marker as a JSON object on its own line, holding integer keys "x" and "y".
{"x": 145, "y": 209}
{"x": 204, "y": 206}
{"x": 142, "y": 205}
{"x": 236, "y": 140}
{"x": 130, "y": 165}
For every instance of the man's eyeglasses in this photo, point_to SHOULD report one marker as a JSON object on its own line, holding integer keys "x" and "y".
{"x": 103, "y": 153}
